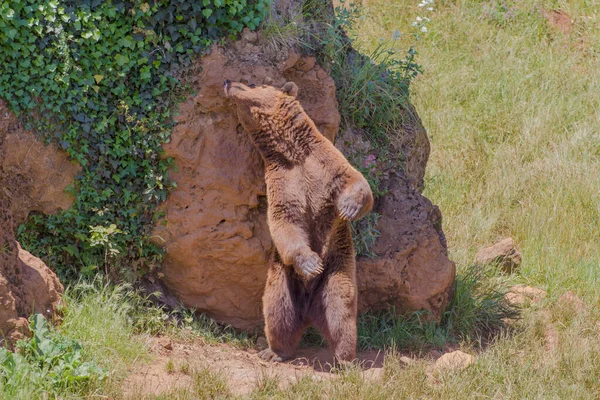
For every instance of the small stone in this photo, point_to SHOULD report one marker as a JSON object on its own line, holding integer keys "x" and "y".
{"x": 520, "y": 295}
{"x": 306, "y": 63}
{"x": 407, "y": 361}
{"x": 165, "y": 343}
{"x": 261, "y": 343}
{"x": 292, "y": 59}
{"x": 457, "y": 360}
{"x": 572, "y": 300}
{"x": 249, "y": 36}
{"x": 503, "y": 254}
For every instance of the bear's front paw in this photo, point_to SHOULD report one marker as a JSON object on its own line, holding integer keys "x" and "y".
{"x": 309, "y": 265}
{"x": 349, "y": 207}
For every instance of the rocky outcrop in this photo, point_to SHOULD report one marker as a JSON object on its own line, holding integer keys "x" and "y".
{"x": 214, "y": 231}
{"x": 412, "y": 270}
{"x": 26, "y": 284}
{"x": 33, "y": 176}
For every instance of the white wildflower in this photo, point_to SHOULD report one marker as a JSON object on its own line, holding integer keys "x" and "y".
{"x": 423, "y": 29}
{"x": 419, "y": 19}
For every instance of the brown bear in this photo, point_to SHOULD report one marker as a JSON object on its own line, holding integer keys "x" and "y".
{"x": 312, "y": 194}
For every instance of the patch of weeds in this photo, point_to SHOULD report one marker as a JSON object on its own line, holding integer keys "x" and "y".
{"x": 145, "y": 316}
{"x": 412, "y": 332}
{"x": 476, "y": 314}
{"x": 312, "y": 338}
{"x": 500, "y": 12}
{"x": 48, "y": 363}
{"x": 210, "y": 385}
{"x": 365, "y": 233}
{"x": 5, "y": 249}
{"x": 188, "y": 324}
{"x": 170, "y": 367}
{"x": 184, "y": 368}
{"x": 266, "y": 387}
{"x": 284, "y": 33}
{"x": 478, "y": 310}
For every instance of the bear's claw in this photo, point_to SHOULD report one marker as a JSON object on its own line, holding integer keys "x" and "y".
{"x": 349, "y": 211}
{"x": 309, "y": 265}
{"x": 349, "y": 208}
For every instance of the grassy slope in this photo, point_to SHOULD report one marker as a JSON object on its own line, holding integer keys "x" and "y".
{"x": 512, "y": 110}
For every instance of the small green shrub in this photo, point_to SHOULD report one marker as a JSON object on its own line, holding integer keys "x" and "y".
{"x": 48, "y": 363}
{"x": 365, "y": 233}
{"x": 476, "y": 314}
{"x": 478, "y": 309}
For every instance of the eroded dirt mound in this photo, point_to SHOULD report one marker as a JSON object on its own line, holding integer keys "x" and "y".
{"x": 26, "y": 284}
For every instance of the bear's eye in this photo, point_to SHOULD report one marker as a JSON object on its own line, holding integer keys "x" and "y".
{"x": 252, "y": 85}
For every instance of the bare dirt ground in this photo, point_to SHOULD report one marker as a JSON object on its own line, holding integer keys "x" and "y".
{"x": 243, "y": 369}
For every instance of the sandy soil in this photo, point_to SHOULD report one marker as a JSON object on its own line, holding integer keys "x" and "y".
{"x": 172, "y": 362}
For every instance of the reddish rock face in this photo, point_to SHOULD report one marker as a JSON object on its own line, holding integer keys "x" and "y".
{"x": 33, "y": 177}
{"x": 26, "y": 284}
{"x": 215, "y": 232}
{"x": 412, "y": 270}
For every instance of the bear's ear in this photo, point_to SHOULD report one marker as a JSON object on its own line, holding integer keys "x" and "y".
{"x": 290, "y": 88}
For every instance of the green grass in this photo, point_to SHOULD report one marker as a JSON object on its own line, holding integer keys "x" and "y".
{"x": 511, "y": 108}
{"x": 512, "y": 112}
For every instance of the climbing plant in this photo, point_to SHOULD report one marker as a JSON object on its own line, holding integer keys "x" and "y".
{"x": 101, "y": 79}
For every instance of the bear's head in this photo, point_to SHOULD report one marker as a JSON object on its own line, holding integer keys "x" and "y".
{"x": 252, "y": 99}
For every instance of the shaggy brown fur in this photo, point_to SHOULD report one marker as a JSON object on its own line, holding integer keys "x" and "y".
{"x": 313, "y": 193}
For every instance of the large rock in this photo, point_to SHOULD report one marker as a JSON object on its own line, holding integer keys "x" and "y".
{"x": 215, "y": 233}
{"x": 33, "y": 176}
{"x": 27, "y": 285}
{"x": 412, "y": 270}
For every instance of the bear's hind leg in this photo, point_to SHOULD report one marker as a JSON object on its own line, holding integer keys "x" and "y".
{"x": 334, "y": 314}
{"x": 284, "y": 322}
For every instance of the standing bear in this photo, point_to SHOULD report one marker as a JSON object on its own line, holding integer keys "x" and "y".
{"x": 312, "y": 193}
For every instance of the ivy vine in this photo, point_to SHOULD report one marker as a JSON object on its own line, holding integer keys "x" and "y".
{"x": 100, "y": 79}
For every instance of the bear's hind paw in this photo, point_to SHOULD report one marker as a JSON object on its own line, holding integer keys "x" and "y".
{"x": 270, "y": 355}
